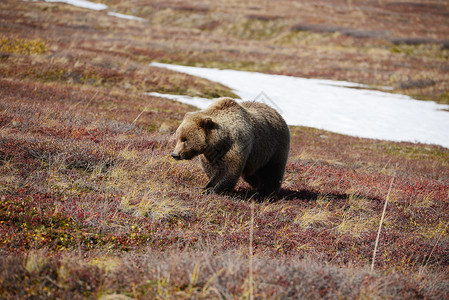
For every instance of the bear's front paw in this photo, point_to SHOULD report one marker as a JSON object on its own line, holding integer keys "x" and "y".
{"x": 209, "y": 191}
{"x": 215, "y": 191}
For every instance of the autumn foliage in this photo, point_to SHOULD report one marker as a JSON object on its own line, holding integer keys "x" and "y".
{"x": 93, "y": 206}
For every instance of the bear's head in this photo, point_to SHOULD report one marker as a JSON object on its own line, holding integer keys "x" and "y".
{"x": 191, "y": 136}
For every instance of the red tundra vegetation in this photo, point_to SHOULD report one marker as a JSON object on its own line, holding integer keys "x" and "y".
{"x": 92, "y": 206}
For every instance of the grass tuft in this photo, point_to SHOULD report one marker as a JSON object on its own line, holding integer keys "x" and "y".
{"x": 17, "y": 45}
{"x": 93, "y": 206}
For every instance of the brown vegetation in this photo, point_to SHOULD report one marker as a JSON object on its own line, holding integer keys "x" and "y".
{"x": 92, "y": 206}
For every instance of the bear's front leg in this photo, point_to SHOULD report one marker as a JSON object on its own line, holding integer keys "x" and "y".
{"x": 222, "y": 176}
{"x": 222, "y": 184}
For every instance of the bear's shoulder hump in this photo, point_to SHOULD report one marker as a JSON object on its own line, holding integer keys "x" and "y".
{"x": 224, "y": 103}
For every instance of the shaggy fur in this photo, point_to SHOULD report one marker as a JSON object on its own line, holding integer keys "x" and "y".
{"x": 249, "y": 139}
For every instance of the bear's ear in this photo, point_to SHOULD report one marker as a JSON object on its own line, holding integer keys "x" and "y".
{"x": 207, "y": 123}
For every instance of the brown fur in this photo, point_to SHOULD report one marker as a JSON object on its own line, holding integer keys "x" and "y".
{"x": 249, "y": 139}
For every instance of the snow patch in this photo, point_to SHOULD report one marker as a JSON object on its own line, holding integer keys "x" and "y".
{"x": 337, "y": 106}
{"x": 97, "y": 6}
{"x": 127, "y": 17}
{"x": 195, "y": 101}
{"x": 82, "y": 3}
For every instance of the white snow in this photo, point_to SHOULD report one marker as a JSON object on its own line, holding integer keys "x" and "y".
{"x": 127, "y": 17}
{"x": 195, "y": 101}
{"x": 97, "y": 6}
{"x": 82, "y": 3}
{"x": 337, "y": 106}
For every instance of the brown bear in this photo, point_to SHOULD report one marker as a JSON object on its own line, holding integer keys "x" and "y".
{"x": 249, "y": 139}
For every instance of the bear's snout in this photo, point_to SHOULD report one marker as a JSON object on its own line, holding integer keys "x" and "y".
{"x": 176, "y": 156}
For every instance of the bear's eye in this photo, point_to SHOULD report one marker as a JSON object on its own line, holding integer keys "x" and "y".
{"x": 184, "y": 139}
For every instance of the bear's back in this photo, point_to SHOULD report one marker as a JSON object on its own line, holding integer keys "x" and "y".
{"x": 254, "y": 118}
{"x": 264, "y": 114}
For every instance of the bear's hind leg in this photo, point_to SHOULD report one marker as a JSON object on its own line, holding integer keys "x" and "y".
{"x": 271, "y": 176}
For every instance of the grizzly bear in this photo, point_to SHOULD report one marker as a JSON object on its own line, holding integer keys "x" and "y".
{"x": 250, "y": 140}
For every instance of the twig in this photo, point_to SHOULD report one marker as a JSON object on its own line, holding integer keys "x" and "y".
{"x": 52, "y": 281}
{"x": 76, "y": 104}
{"x": 436, "y": 244}
{"x": 380, "y": 223}
{"x": 308, "y": 169}
{"x": 251, "y": 292}
{"x": 135, "y": 120}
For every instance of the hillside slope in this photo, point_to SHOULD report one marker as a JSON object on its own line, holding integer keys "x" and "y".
{"x": 92, "y": 206}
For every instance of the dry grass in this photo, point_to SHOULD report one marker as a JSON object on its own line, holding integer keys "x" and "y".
{"x": 189, "y": 275}
{"x": 92, "y": 206}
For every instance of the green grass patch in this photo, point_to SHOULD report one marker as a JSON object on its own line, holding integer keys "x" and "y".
{"x": 254, "y": 29}
{"x": 22, "y": 46}
{"x": 434, "y": 51}
{"x": 416, "y": 152}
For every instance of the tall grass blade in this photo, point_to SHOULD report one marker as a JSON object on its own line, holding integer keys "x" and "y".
{"x": 381, "y": 222}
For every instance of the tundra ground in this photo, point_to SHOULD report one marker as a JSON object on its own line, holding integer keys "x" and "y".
{"x": 92, "y": 206}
